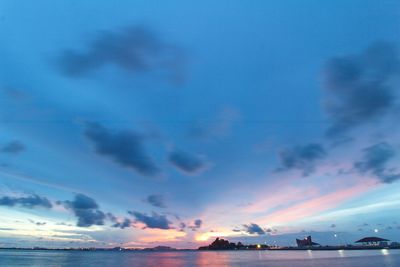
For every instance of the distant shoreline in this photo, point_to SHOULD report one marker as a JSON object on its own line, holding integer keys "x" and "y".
{"x": 327, "y": 248}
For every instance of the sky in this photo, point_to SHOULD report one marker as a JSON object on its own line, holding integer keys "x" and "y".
{"x": 145, "y": 123}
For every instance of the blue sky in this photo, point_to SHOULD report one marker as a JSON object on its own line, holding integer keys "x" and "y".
{"x": 153, "y": 122}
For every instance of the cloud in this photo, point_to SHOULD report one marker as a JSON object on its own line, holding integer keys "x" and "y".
{"x": 7, "y": 229}
{"x": 253, "y": 228}
{"x": 154, "y": 220}
{"x": 374, "y": 161}
{"x": 270, "y": 230}
{"x": 31, "y": 201}
{"x": 13, "y": 147}
{"x": 37, "y": 223}
{"x": 123, "y": 147}
{"x": 64, "y": 223}
{"x": 187, "y": 163}
{"x": 333, "y": 225}
{"x": 124, "y": 224}
{"x": 119, "y": 223}
{"x": 133, "y": 49}
{"x": 196, "y": 224}
{"x": 301, "y": 157}
{"x": 86, "y": 210}
{"x": 182, "y": 226}
{"x": 156, "y": 200}
{"x": 220, "y": 127}
{"x": 359, "y": 87}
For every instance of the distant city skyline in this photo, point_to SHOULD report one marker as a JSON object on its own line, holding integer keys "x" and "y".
{"x": 171, "y": 123}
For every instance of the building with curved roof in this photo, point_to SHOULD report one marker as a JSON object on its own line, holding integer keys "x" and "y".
{"x": 372, "y": 241}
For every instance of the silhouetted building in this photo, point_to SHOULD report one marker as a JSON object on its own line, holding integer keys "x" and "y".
{"x": 373, "y": 241}
{"x": 220, "y": 244}
{"x": 306, "y": 242}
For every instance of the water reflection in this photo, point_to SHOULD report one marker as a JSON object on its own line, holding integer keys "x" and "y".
{"x": 161, "y": 259}
{"x": 221, "y": 259}
{"x": 310, "y": 253}
{"x": 347, "y": 258}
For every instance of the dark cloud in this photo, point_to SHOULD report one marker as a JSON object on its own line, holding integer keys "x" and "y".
{"x": 37, "y": 223}
{"x": 270, "y": 230}
{"x": 154, "y": 220}
{"x": 156, "y": 200}
{"x": 133, "y": 49}
{"x": 117, "y": 223}
{"x": 359, "y": 88}
{"x": 301, "y": 157}
{"x": 86, "y": 210}
{"x": 13, "y": 147}
{"x": 374, "y": 161}
{"x": 31, "y": 201}
{"x": 333, "y": 225}
{"x": 124, "y": 224}
{"x": 124, "y": 147}
{"x": 187, "y": 163}
{"x": 182, "y": 226}
{"x": 196, "y": 224}
{"x": 253, "y": 228}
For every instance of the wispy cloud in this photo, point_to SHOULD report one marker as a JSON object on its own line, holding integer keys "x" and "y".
{"x": 219, "y": 127}
{"x": 316, "y": 205}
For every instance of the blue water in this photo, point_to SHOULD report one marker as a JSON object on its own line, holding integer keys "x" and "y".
{"x": 379, "y": 258}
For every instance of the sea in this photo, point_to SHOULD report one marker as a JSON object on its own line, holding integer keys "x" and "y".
{"x": 342, "y": 258}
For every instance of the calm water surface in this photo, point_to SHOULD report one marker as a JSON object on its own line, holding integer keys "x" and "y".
{"x": 379, "y": 258}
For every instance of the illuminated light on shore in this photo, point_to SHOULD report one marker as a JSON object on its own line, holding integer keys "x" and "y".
{"x": 385, "y": 251}
{"x": 258, "y": 246}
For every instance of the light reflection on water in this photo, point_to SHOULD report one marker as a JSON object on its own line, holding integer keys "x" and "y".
{"x": 343, "y": 258}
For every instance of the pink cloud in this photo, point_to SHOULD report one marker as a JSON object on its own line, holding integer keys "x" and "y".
{"x": 317, "y": 205}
